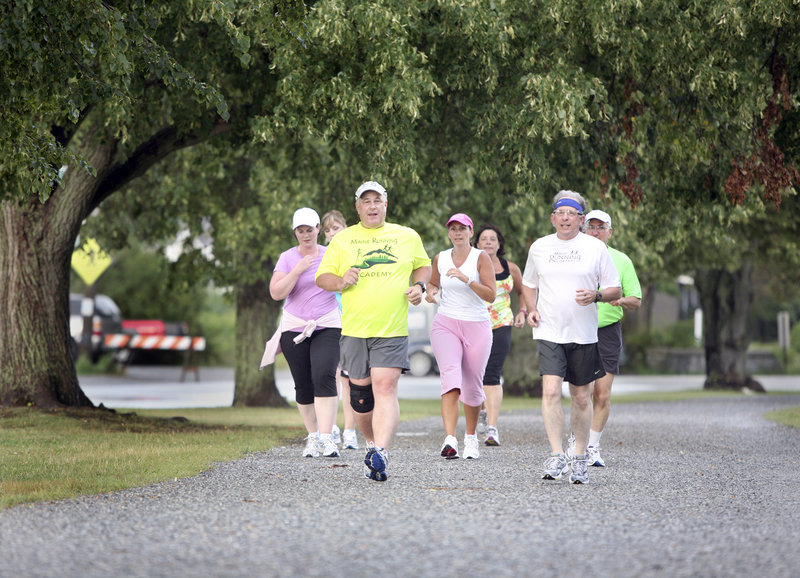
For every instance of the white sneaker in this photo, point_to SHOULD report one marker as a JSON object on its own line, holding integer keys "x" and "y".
{"x": 471, "y": 447}
{"x": 492, "y": 437}
{"x": 350, "y": 440}
{"x": 570, "y": 453}
{"x": 329, "y": 449}
{"x": 593, "y": 455}
{"x": 312, "y": 446}
{"x": 336, "y": 434}
{"x": 482, "y": 423}
{"x": 450, "y": 448}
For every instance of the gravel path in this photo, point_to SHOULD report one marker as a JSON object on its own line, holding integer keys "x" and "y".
{"x": 694, "y": 488}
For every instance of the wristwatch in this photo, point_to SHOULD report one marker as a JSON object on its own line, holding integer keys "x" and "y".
{"x": 598, "y": 297}
{"x": 421, "y": 285}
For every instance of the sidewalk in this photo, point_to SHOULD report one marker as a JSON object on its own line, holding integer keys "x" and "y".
{"x": 692, "y": 488}
{"x": 160, "y": 386}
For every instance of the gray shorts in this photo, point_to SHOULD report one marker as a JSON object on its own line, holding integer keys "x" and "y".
{"x": 359, "y": 354}
{"x": 609, "y": 343}
{"x": 576, "y": 363}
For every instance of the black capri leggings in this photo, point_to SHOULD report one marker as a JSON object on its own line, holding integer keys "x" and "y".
{"x": 501, "y": 345}
{"x": 313, "y": 363}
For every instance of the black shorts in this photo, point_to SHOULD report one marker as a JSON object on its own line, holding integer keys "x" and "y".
{"x": 312, "y": 363}
{"x": 609, "y": 344}
{"x": 501, "y": 345}
{"x": 576, "y": 363}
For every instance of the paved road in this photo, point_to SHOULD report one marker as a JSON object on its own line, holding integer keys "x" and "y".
{"x": 160, "y": 387}
{"x": 701, "y": 488}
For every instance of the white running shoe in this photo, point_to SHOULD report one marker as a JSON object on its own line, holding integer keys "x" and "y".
{"x": 312, "y": 446}
{"x": 570, "y": 453}
{"x": 471, "y": 451}
{"x": 482, "y": 423}
{"x": 555, "y": 467}
{"x": 450, "y": 448}
{"x": 349, "y": 440}
{"x": 329, "y": 448}
{"x": 593, "y": 455}
{"x": 492, "y": 437}
{"x": 336, "y": 434}
{"x": 580, "y": 472}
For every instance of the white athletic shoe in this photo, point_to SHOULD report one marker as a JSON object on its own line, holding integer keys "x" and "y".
{"x": 450, "y": 448}
{"x": 482, "y": 423}
{"x": 593, "y": 455}
{"x": 329, "y": 448}
{"x": 349, "y": 440}
{"x": 570, "y": 453}
{"x": 471, "y": 451}
{"x": 312, "y": 446}
{"x": 336, "y": 434}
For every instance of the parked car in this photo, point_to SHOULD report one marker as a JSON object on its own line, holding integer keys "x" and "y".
{"x": 421, "y": 360}
{"x": 107, "y": 319}
{"x": 420, "y": 353}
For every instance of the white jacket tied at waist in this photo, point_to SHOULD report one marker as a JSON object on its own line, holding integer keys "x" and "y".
{"x": 332, "y": 318}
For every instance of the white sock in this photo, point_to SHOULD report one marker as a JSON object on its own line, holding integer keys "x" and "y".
{"x": 594, "y": 438}
{"x": 325, "y": 436}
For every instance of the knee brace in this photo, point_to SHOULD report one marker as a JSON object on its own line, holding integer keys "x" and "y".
{"x": 361, "y": 399}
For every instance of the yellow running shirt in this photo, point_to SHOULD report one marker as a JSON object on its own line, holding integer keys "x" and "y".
{"x": 377, "y": 305}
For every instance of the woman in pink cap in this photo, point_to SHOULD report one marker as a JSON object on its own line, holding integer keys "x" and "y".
{"x": 461, "y": 336}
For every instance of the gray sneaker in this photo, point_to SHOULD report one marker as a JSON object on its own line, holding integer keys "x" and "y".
{"x": 580, "y": 470}
{"x": 555, "y": 467}
{"x": 482, "y": 423}
{"x": 593, "y": 454}
{"x": 570, "y": 453}
{"x": 336, "y": 434}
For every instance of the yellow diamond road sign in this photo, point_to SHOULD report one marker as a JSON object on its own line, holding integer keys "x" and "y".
{"x": 90, "y": 261}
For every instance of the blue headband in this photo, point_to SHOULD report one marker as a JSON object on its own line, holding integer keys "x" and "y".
{"x": 567, "y": 202}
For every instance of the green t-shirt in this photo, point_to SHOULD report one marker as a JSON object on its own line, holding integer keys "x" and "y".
{"x": 377, "y": 305}
{"x": 607, "y": 313}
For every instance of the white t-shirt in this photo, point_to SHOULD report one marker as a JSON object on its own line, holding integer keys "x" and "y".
{"x": 558, "y": 268}
{"x": 458, "y": 300}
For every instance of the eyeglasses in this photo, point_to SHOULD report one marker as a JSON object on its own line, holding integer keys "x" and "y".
{"x": 597, "y": 228}
{"x": 563, "y": 213}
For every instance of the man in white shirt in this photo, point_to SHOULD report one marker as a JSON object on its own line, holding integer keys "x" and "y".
{"x": 561, "y": 278}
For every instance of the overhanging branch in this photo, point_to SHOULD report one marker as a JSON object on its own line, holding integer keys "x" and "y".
{"x": 156, "y": 148}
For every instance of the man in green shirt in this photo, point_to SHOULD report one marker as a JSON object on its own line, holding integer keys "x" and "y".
{"x": 379, "y": 268}
{"x": 609, "y": 332}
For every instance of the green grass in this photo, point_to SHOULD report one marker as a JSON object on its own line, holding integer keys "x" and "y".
{"x": 50, "y": 455}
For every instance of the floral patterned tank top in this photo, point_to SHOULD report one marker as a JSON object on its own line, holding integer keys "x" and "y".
{"x": 500, "y": 311}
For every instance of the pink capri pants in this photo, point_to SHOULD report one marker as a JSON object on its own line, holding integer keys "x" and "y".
{"x": 462, "y": 349}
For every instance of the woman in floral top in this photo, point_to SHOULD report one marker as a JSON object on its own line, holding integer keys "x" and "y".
{"x": 508, "y": 278}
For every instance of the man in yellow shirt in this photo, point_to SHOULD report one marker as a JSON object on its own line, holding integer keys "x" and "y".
{"x": 379, "y": 268}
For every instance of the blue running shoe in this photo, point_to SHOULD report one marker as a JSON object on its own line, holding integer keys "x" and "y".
{"x": 375, "y": 463}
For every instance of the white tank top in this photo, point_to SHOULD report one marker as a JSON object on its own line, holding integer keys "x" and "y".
{"x": 457, "y": 299}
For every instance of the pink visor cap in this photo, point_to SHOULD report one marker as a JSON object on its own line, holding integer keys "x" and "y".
{"x": 460, "y": 218}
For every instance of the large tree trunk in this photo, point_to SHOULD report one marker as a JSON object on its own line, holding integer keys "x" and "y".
{"x": 36, "y": 242}
{"x": 725, "y": 297}
{"x": 256, "y": 320}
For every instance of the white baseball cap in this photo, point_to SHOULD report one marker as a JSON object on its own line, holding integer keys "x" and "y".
{"x": 600, "y": 216}
{"x": 305, "y": 216}
{"x": 370, "y": 186}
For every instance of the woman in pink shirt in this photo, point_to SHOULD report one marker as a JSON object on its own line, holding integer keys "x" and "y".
{"x": 310, "y": 329}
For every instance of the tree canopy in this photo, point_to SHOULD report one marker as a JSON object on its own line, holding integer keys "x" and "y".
{"x": 678, "y": 117}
